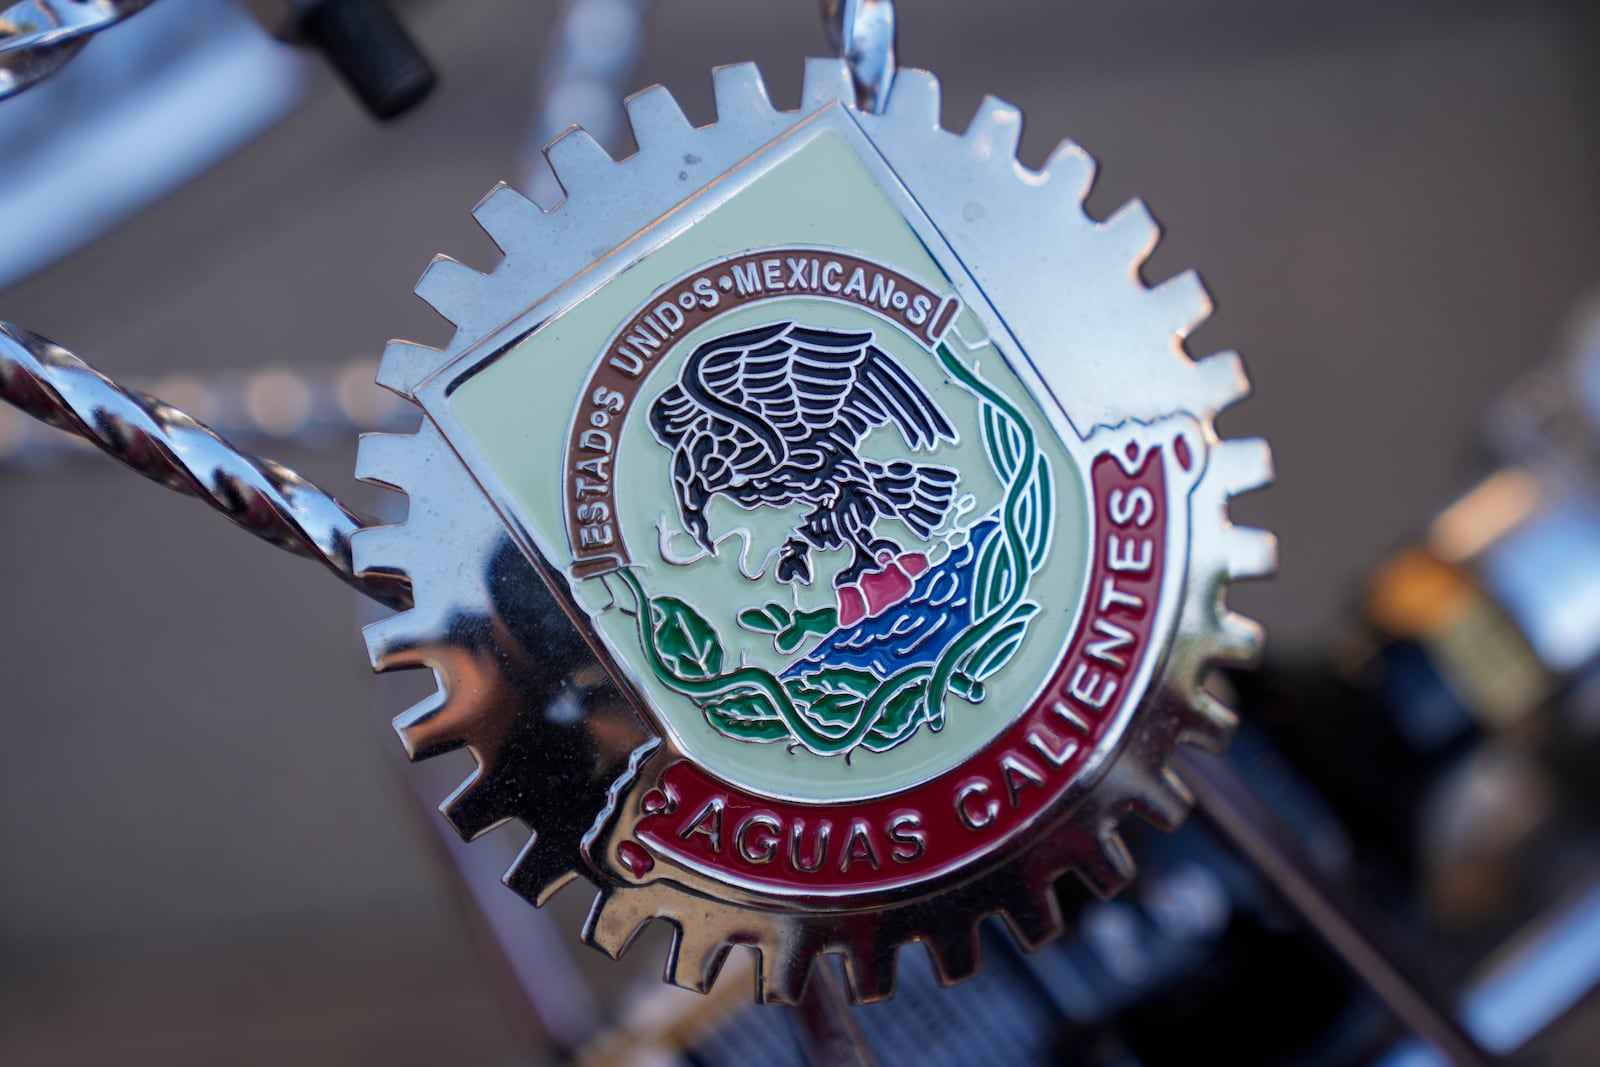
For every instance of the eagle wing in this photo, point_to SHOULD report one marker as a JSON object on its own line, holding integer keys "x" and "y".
{"x": 784, "y": 384}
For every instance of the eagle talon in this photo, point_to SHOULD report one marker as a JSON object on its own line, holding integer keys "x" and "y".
{"x": 884, "y": 552}
{"x": 875, "y": 557}
{"x": 794, "y": 565}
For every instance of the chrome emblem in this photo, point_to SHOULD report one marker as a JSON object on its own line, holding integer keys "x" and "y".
{"x": 881, "y": 486}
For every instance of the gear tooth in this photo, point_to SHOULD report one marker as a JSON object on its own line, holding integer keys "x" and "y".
{"x": 827, "y": 80}
{"x": 578, "y": 160}
{"x": 913, "y": 98}
{"x": 695, "y": 960}
{"x": 954, "y": 953}
{"x": 1070, "y": 169}
{"x": 1033, "y": 915}
{"x": 870, "y": 971}
{"x": 1210, "y": 727}
{"x": 614, "y": 922}
{"x": 1164, "y": 802}
{"x": 539, "y": 871}
{"x": 473, "y": 809}
{"x": 1132, "y": 231}
{"x": 404, "y": 365}
{"x": 418, "y": 728}
{"x": 1183, "y": 302}
{"x": 505, "y": 215}
{"x": 448, "y": 284}
{"x": 391, "y": 642}
{"x": 739, "y": 91}
{"x": 996, "y": 130}
{"x": 1220, "y": 381}
{"x": 655, "y": 117}
{"x": 1239, "y": 639}
{"x": 783, "y": 975}
{"x": 1241, "y": 464}
{"x": 1252, "y": 553}
{"x": 1107, "y": 869}
{"x": 374, "y": 549}
{"x": 383, "y": 458}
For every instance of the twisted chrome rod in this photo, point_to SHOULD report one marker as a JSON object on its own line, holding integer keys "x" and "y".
{"x": 168, "y": 446}
{"x": 864, "y": 33}
{"x": 38, "y": 37}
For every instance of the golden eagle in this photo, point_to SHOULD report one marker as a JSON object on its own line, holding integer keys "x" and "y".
{"x": 772, "y": 416}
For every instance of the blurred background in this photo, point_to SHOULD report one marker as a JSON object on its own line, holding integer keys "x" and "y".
{"x": 206, "y": 854}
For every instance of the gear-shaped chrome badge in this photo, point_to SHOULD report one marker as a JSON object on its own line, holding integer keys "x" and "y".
{"x": 882, "y": 488}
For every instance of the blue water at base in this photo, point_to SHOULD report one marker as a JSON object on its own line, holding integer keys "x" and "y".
{"x": 917, "y": 629}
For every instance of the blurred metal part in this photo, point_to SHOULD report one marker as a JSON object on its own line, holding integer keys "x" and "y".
{"x": 827, "y": 1030}
{"x": 1226, "y": 802}
{"x": 281, "y": 18}
{"x": 39, "y": 37}
{"x": 658, "y": 1024}
{"x": 864, "y": 33}
{"x": 363, "y": 41}
{"x": 1503, "y": 592}
{"x": 1544, "y": 572}
{"x": 1530, "y": 984}
{"x": 196, "y": 78}
{"x": 1538, "y": 552}
{"x": 168, "y": 446}
{"x": 593, "y": 53}
{"x": 1550, "y": 419}
{"x": 1424, "y": 596}
{"x": 1483, "y": 832}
